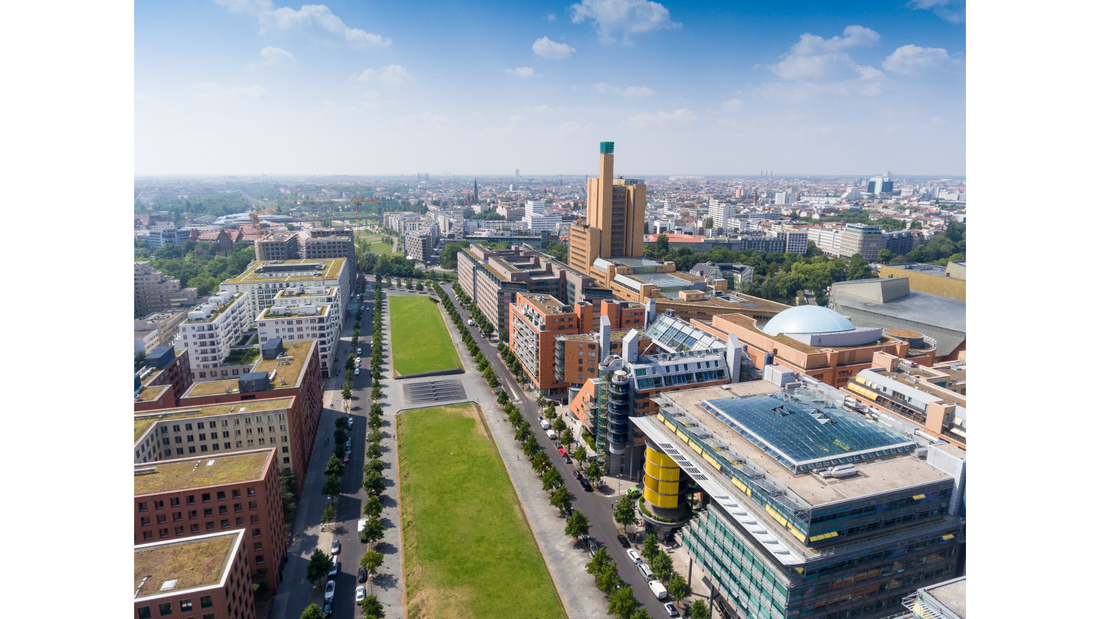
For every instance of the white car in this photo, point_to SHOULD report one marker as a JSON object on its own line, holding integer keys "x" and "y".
{"x": 351, "y": 421}
{"x": 360, "y": 594}
{"x": 357, "y": 371}
{"x": 634, "y": 556}
{"x": 671, "y": 610}
{"x": 330, "y": 590}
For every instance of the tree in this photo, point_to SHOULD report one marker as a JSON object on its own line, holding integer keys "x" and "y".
{"x": 335, "y": 466}
{"x": 320, "y": 564}
{"x": 641, "y": 613}
{"x": 374, "y": 422}
{"x": 530, "y": 446}
{"x": 662, "y": 243}
{"x": 312, "y": 611}
{"x": 372, "y": 560}
{"x": 372, "y": 607}
{"x": 374, "y": 451}
{"x": 347, "y": 390}
{"x": 374, "y": 465}
{"x": 709, "y": 223}
{"x": 601, "y": 560}
{"x": 541, "y": 401}
{"x": 561, "y": 499}
{"x": 539, "y": 462}
{"x": 551, "y": 479}
{"x": 331, "y": 486}
{"x": 579, "y": 454}
{"x": 373, "y": 483}
{"x": 678, "y": 587}
{"x": 375, "y": 436}
{"x": 858, "y": 268}
{"x": 523, "y": 430}
{"x": 577, "y": 525}
{"x": 373, "y": 507}
{"x": 650, "y": 548}
{"x": 608, "y": 579}
{"x": 662, "y": 566}
{"x": 373, "y": 530}
{"x": 885, "y": 255}
{"x": 699, "y": 610}
{"x": 594, "y": 471}
{"x": 329, "y": 514}
{"x": 559, "y": 426}
{"x": 915, "y": 224}
{"x": 502, "y": 397}
{"x": 622, "y": 603}
{"x": 566, "y": 436}
{"x": 625, "y": 513}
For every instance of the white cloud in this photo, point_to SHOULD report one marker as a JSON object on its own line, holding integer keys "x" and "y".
{"x": 953, "y": 11}
{"x": 570, "y": 128}
{"x": 551, "y": 17}
{"x": 331, "y": 107}
{"x": 522, "y": 72}
{"x": 909, "y": 59}
{"x": 391, "y": 74}
{"x": 140, "y": 98}
{"x": 537, "y": 108}
{"x": 662, "y": 118}
{"x": 514, "y": 121}
{"x": 307, "y": 20}
{"x": 423, "y": 120}
{"x": 630, "y": 91}
{"x": 549, "y": 49}
{"x": 821, "y": 66}
{"x": 626, "y": 16}
{"x": 731, "y": 105}
{"x": 209, "y": 91}
{"x": 276, "y": 56}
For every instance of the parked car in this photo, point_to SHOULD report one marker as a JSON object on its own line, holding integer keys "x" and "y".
{"x": 357, "y": 371}
{"x": 327, "y": 610}
{"x": 578, "y": 475}
{"x": 563, "y": 453}
{"x": 671, "y": 610}
{"x": 330, "y": 590}
{"x": 586, "y": 485}
{"x": 622, "y": 541}
{"x": 359, "y": 351}
{"x": 351, "y": 421}
{"x": 566, "y": 458}
{"x": 551, "y": 434}
{"x": 634, "y": 556}
{"x": 335, "y": 547}
{"x": 544, "y": 424}
{"x": 362, "y": 576}
{"x": 360, "y": 593}
{"x": 347, "y": 457}
{"x": 658, "y": 589}
{"x": 334, "y": 571}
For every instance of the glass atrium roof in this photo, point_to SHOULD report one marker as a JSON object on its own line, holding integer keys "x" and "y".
{"x": 804, "y": 433}
{"x": 675, "y": 335}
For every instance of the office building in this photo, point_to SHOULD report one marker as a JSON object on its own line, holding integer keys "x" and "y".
{"x": 890, "y": 304}
{"x": 538, "y": 321}
{"x": 290, "y": 370}
{"x": 192, "y": 497}
{"x": 154, "y": 291}
{"x": 720, "y": 213}
{"x": 213, "y": 328}
{"x": 680, "y": 356}
{"x": 615, "y": 217}
{"x": 946, "y": 282}
{"x": 537, "y": 220}
{"x": 806, "y": 508}
{"x": 736, "y": 275}
{"x": 944, "y": 600}
{"x": 420, "y": 242}
{"x": 263, "y": 280}
{"x": 863, "y": 239}
{"x": 326, "y": 244}
{"x": 208, "y": 576}
{"x": 278, "y": 246}
{"x": 929, "y": 397}
{"x": 826, "y": 239}
{"x": 880, "y": 186}
{"x": 819, "y": 342}
{"x": 305, "y": 314}
{"x": 165, "y": 376}
{"x": 165, "y": 324}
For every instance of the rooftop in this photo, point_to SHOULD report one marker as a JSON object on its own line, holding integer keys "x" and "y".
{"x": 917, "y": 307}
{"x": 748, "y": 323}
{"x": 254, "y": 273}
{"x": 145, "y": 419}
{"x": 148, "y": 394}
{"x": 907, "y": 378}
{"x": 546, "y": 304}
{"x": 200, "y": 472}
{"x": 295, "y": 353}
{"x": 187, "y": 564}
{"x": 874, "y": 477}
{"x": 951, "y": 594}
{"x": 318, "y": 311}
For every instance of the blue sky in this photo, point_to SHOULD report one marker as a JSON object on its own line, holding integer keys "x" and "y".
{"x": 250, "y": 86}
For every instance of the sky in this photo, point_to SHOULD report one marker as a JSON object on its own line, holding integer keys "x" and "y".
{"x": 484, "y": 87}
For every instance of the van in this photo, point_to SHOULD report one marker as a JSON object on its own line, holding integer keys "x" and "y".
{"x": 658, "y": 589}
{"x": 544, "y": 423}
{"x": 646, "y": 572}
{"x": 551, "y": 434}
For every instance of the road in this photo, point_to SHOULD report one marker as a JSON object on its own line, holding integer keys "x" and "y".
{"x": 597, "y": 505}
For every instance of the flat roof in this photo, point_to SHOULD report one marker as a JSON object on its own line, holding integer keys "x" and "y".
{"x": 193, "y": 562}
{"x": 749, "y": 323}
{"x": 199, "y": 472}
{"x": 948, "y": 396}
{"x": 545, "y": 303}
{"x": 874, "y": 477}
{"x": 917, "y": 307}
{"x": 148, "y": 394}
{"x": 951, "y": 594}
{"x": 291, "y": 372}
{"x": 293, "y": 311}
{"x": 252, "y": 276}
{"x": 144, "y": 419}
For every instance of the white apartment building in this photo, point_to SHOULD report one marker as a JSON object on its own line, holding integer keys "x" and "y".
{"x": 419, "y": 242}
{"x": 305, "y": 314}
{"x": 213, "y": 327}
{"x": 826, "y": 239}
{"x": 537, "y": 220}
{"x": 721, "y": 213}
{"x": 264, "y": 280}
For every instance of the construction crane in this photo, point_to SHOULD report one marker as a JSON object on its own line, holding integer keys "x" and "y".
{"x": 256, "y": 216}
{"x": 358, "y": 203}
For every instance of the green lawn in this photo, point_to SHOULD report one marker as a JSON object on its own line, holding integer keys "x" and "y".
{"x": 421, "y": 342}
{"x": 468, "y": 551}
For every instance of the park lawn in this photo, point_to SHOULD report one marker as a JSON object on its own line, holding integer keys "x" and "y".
{"x": 468, "y": 550}
{"x": 421, "y": 342}
{"x": 381, "y": 248}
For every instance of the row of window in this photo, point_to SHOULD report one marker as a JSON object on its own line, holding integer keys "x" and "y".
{"x": 194, "y": 513}
{"x": 195, "y": 529}
{"x": 206, "y": 498}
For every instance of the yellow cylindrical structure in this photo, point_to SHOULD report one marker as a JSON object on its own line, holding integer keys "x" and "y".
{"x": 662, "y": 479}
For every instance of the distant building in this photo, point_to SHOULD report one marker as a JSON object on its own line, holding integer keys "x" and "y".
{"x": 420, "y": 242}
{"x": 192, "y": 497}
{"x": 328, "y": 246}
{"x": 278, "y": 246}
{"x": 736, "y": 275}
{"x": 615, "y": 218}
{"x": 213, "y": 328}
{"x": 302, "y": 313}
{"x": 536, "y": 218}
{"x": 154, "y": 291}
{"x": 264, "y": 279}
{"x": 948, "y": 282}
{"x": 863, "y": 239}
{"x": 169, "y": 583}
{"x": 720, "y": 213}
{"x": 889, "y": 303}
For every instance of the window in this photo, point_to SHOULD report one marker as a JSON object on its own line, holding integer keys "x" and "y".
{"x": 208, "y": 512}
{"x": 179, "y": 531}
{"x": 142, "y": 507}
{"x": 255, "y": 532}
{"x": 210, "y": 525}
{"x": 240, "y": 522}
{"x": 161, "y": 518}
{"x": 145, "y": 521}
{"x": 190, "y": 499}
{"x": 221, "y": 496}
{"x": 177, "y": 516}
{"x": 192, "y": 513}
{"x": 225, "y": 523}
{"x": 147, "y": 535}
{"x": 258, "y": 546}
{"x": 185, "y": 605}
{"x": 158, "y": 504}
{"x": 165, "y": 608}
{"x": 164, "y": 532}
{"x": 236, "y": 494}
{"x": 195, "y": 528}
{"x": 251, "y": 492}
{"x": 253, "y": 505}
{"x": 206, "y": 497}
{"x": 206, "y": 601}
{"x": 255, "y": 520}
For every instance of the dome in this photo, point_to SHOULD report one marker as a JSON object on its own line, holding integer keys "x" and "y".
{"x": 808, "y": 319}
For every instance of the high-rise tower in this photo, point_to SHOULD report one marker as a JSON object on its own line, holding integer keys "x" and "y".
{"x": 615, "y": 218}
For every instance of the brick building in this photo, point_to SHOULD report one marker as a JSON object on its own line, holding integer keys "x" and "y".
{"x": 205, "y": 577}
{"x": 165, "y": 377}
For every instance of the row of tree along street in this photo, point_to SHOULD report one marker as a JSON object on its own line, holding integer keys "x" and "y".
{"x": 372, "y": 529}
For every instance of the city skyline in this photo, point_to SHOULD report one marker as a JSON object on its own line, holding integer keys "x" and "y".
{"x": 250, "y": 87}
